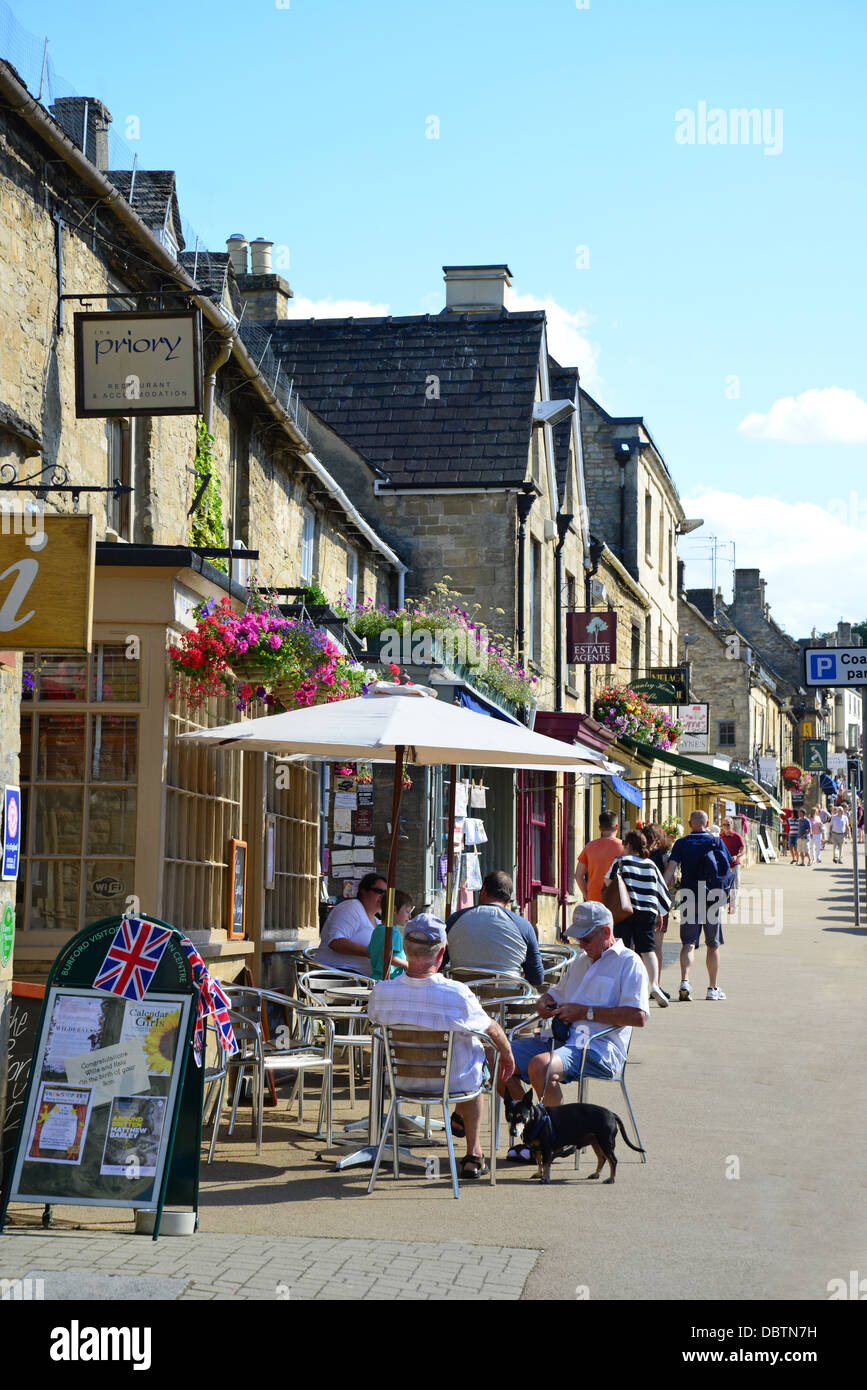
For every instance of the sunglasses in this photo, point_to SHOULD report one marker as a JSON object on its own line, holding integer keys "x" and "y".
{"x": 378, "y": 891}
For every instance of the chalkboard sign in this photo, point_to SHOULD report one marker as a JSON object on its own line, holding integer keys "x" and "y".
{"x": 237, "y": 888}
{"x": 25, "y": 1006}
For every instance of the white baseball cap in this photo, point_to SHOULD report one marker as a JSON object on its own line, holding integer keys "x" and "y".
{"x": 587, "y": 917}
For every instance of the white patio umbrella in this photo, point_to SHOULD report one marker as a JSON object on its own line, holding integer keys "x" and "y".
{"x": 400, "y": 724}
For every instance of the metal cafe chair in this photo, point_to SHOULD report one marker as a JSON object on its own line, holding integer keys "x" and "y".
{"x": 258, "y": 1054}
{"x": 424, "y": 1055}
{"x": 556, "y": 957}
{"x": 317, "y": 987}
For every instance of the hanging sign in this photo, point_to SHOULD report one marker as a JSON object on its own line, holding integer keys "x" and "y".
{"x": 816, "y": 754}
{"x": 591, "y": 639}
{"x": 138, "y": 364}
{"x": 46, "y": 582}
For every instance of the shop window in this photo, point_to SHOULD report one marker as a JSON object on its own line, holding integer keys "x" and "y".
{"x": 351, "y": 577}
{"x": 648, "y": 526}
{"x": 543, "y": 838}
{"x": 292, "y": 857}
{"x": 120, "y": 443}
{"x": 79, "y": 770}
{"x": 203, "y": 813}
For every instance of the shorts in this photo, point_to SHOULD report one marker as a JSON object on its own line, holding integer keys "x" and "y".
{"x": 636, "y": 931}
{"x": 525, "y": 1049}
{"x": 690, "y": 935}
{"x": 793, "y": 840}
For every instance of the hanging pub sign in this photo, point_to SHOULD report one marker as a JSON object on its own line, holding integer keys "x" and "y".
{"x": 591, "y": 639}
{"x": 664, "y": 685}
{"x": 138, "y": 363}
{"x": 46, "y": 581}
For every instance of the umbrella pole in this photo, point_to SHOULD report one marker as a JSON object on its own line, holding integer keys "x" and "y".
{"x": 396, "y": 794}
{"x": 450, "y": 841}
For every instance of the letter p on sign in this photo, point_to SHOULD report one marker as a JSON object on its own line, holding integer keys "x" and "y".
{"x": 822, "y": 665}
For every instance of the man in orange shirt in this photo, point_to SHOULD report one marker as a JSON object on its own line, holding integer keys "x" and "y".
{"x": 596, "y": 858}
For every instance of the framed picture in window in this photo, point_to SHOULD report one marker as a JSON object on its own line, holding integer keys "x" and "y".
{"x": 236, "y": 925}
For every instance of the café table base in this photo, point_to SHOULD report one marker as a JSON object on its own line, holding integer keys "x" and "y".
{"x": 360, "y": 1158}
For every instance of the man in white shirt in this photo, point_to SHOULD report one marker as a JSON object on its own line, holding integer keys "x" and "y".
{"x": 839, "y": 833}
{"x": 426, "y": 999}
{"x": 605, "y": 987}
{"x": 349, "y": 926}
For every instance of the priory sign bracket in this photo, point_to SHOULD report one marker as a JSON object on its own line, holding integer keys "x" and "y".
{"x": 59, "y": 483}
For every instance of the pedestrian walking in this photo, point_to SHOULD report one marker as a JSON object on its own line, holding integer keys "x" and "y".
{"x": 706, "y": 877}
{"x": 793, "y": 834}
{"x": 816, "y": 830}
{"x": 839, "y": 833}
{"x": 660, "y": 848}
{"x": 736, "y": 846}
{"x": 650, "y": 902}
{"x": 596, "y": 858}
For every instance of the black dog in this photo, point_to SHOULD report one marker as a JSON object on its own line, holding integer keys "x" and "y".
{"x": 518, "y": 1112}
{"x": 569, "y": 1127}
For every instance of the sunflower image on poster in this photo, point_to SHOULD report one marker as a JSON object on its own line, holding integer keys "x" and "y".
{"x": 156, "y": 1028}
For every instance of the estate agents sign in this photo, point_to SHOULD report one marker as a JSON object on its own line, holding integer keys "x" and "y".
{"x": 138, "y": 364}
{"x": 591, "y": 639}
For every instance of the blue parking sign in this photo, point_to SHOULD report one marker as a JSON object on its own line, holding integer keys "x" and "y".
{"x": 11, "y": 832}
{"x": 823, "y": 666}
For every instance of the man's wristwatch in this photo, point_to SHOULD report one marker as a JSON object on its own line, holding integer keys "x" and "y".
{"x": 590, "y": 1016}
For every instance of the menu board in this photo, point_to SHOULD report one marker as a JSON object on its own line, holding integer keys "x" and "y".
{"x": 104, "y": 1083}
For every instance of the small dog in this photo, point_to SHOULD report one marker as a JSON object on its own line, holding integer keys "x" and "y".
{"x": 518, "y": 1113}
{"x": 569, "y": 1127}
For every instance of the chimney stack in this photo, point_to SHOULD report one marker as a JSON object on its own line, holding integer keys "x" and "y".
{"x": 476, "y": 289}
{"x": 86, "y": 121}
{"x": 266, "y": 295}
{"x": 237, "y": 249}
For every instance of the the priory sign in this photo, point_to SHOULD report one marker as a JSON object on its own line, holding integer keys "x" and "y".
{"x": 138, "y": 364}
{"x": 591, "y": 639}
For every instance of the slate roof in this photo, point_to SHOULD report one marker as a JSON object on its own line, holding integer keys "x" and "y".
{"x": 563, "y": 382}
{"x": 367, "y": 379}
{"x": 212, "y": 272}
{"x": 152, "y": 191}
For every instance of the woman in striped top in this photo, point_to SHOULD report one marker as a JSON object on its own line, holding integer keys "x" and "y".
{"x": 650, "y": 901}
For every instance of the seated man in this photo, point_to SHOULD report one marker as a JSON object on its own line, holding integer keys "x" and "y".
{"x": 493, "y": 937}
{"x": 424, "y": 998}
{"x": 606, "y": 986}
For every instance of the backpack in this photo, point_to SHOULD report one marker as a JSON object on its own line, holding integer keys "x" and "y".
{"x": 715, "y": 870}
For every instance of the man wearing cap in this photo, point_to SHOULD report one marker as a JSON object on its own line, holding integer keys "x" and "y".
{"x": 604, "y": 988}
{"x": 424, "y": 998}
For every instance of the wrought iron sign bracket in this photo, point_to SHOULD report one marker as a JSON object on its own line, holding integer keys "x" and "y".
{"x": 10, "y": 482}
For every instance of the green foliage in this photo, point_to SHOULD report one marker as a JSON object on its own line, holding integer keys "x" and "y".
{"x": 861, "y": 630}
{"x": 207, "y": 520}
{"x": 313, "y": 595}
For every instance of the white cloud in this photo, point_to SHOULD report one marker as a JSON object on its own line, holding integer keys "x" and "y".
{"x": 335, "y": 309}
{"x": 567, "y": 335}
{"x": 827, "y": 416}
{"x": 770, "y": 535}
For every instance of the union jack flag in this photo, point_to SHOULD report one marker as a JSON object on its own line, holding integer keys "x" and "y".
{"x": 132, "y": 958}
{"x": 210, "y": 999}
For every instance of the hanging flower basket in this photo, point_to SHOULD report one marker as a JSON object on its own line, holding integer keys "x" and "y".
{"x": 626, "y": 713}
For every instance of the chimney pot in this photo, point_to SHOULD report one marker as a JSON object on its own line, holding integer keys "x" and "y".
{"x": 260, "y": 256}
{"x": 237, "y": 249}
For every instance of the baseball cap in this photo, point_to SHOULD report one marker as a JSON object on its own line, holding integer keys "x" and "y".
{"x": 425, "y": 927}
{"x": 587, "y": 917}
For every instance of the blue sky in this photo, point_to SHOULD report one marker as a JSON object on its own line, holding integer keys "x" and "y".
{"x": 723, "y": 282}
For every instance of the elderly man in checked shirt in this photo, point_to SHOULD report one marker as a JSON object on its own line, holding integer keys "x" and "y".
{"x": 426, "y": 999}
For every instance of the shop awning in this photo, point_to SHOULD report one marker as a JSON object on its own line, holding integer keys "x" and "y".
{"x": 709, "y": 776}
{"x": 627, "y": 791}
{"x": 479, "y": 706}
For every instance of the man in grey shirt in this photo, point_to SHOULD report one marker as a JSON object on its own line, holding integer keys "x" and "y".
{"x": 493, "y": 937}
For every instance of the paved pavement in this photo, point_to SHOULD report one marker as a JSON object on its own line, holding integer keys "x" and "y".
{"x": 752, "y": 1112}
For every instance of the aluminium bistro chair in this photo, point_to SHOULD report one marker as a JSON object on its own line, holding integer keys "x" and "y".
{"x": 583, "y": 1081}
{"x": 313, "y": 986}
{"x": 556, "y": 958}
{"x": 425, "y": 1054}
{"x": 258, "y": 1055}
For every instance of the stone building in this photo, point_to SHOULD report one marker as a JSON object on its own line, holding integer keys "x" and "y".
{"x": 117, "y": 812}
{"x": 452, "y": 419}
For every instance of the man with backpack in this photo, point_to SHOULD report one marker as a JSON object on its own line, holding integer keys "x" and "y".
{"x": 705, "y": 879}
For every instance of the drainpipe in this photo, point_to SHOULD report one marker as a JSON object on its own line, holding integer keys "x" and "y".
{"x": 224, "y": 352}
{"x": 564, "y": 521}
{"x": 591, "y": 565}
{"x": 526, "y": 498}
